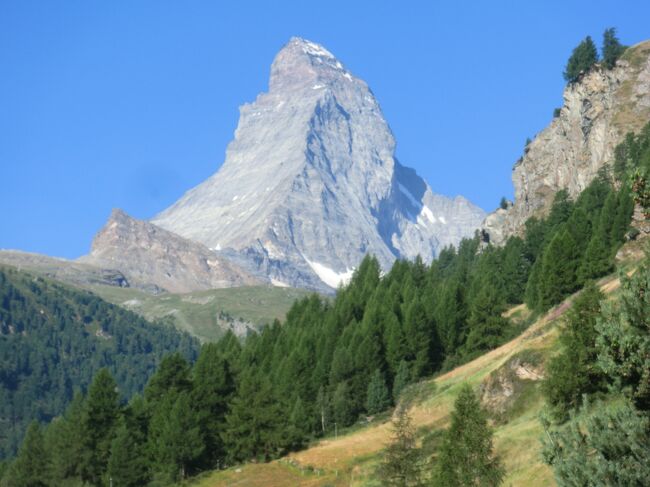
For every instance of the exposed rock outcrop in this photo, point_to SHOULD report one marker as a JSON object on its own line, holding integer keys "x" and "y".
{"x": 152, "y": 257}
{"x": 598, "y": 111}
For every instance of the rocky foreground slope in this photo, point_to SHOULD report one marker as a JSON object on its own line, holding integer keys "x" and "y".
{"x": 598, "y": 111}
{"x": 311, "y": 184}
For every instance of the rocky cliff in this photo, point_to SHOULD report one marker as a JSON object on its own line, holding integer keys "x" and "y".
{"x": 310, "y": 183}
{"x": 598, "y": 111}
{"x": 154, "y": 258}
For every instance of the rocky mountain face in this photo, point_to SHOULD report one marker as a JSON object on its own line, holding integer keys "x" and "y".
{"x": 598, "y": 111}
{"x": 310, "y": 183}
{"x": 158, "y": 260}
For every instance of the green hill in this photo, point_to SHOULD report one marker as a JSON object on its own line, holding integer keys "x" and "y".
{"x": 54, "y": 338}
{"x": 207, "y": 315}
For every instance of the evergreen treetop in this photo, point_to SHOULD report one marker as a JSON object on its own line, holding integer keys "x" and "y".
{"x": 582, "y": 59}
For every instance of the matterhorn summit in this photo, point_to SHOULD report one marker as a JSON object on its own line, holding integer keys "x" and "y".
{"x": 310, "y": 183}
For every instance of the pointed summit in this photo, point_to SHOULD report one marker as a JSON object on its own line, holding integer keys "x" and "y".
{"x": 310, "y": 184}
{"x": 302, "y": 64}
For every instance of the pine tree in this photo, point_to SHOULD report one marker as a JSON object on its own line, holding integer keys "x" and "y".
{"x": 558, "y": 277}
{"x": 624, "y": 338}
{"x": 100, "y": 419}
{"x": 612, "y": 48}
{"x": 605, "y": 445}
{"x": 253, "y": 428}
{"x": 30, "y": 468}
{"x": 213, "y": 387}
{"x": 64, "y": 439}
{"x": 342, "y": 409}
{"x": 574, "y": 373}
{"x": 486, "y": 325}
{"x": 377, "y": 397}
{"x": 466, "y": 457}
{"x": 172, "y": 375}
{"x": 127, "y": 465}
{"x": 299, "y": 425}
{"x": 401, "y": 463}
{"x": 176, "y": 436}
{"x": 583, "y": 57}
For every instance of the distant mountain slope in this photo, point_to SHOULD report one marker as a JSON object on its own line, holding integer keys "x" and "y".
{"x": 310, "y": 183}
{"x": 208, "y": 315}
{"x": 54, "y": 338}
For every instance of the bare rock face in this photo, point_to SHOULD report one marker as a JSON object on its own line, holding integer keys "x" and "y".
{"x": 310, "y": 184}
{"x": 151, "y": 257}
{"x": 598, "y": 111}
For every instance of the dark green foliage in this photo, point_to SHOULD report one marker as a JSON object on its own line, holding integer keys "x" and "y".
{"x": 609, "y": 445}
{"x": 176, "y": 439}
{"x": 127, "y": 465}
{"x": 624, "y": 338}
{"x": 573, "y": 373}
{"x": 99, "y": 421}
{"x": 583, "y": 57}
{"x": 333, "y": 361}
{"x": 466, "y": 456}
{"x": 30, "y": 467}
{"x": 342, "y": 409}
{"x": 253, "y": 424}
{"x": 377, "y": 398}
{"x": 53, "y": 339}
{"x": 503, "y": 204}
{"x": 402, "y": 379}
{"x": 64, "y": 440}
{"x": 557, "y": 112}
{"x": 558, "y": 273}
{"x": 212, "y": 391}
{"x": 612, "y": 48}
{"x": 401, "y": 463}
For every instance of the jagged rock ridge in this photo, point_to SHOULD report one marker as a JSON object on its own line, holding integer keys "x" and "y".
{"x": 310, "y": 183}
{"x": 598, "y": 111}
{"x": 154, "y": 258}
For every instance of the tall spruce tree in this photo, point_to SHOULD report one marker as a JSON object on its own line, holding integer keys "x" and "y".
{"x": 30, "y": 468}
{"x": 401, "y": 464}
{"x": 127, "y": 465}
{"x": 100, "y": 420}
{"x": 466, "y": 456}
{"x": 612, "y": 48}
{"x": 253, "y": 423}
{"x": 213, "y": 387}
{"x": 558, "y": 276}
{"x": 573, "y": 372}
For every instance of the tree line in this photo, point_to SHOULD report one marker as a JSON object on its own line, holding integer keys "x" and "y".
{"x": 585, "y": 56}
{"x": 53, "y": 339}
{"x": 333, "y": 362}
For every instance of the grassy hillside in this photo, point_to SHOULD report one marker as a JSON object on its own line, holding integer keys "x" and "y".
{"x": 509, "y": 375}
{"x": 207, "y": 314}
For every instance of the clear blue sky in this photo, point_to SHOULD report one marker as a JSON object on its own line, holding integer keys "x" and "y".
{"x": 130, "y": 103}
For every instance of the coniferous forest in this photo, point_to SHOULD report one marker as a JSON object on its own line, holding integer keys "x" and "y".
{"x": 332, "y": 363}
{"x": 54, "y": 339}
